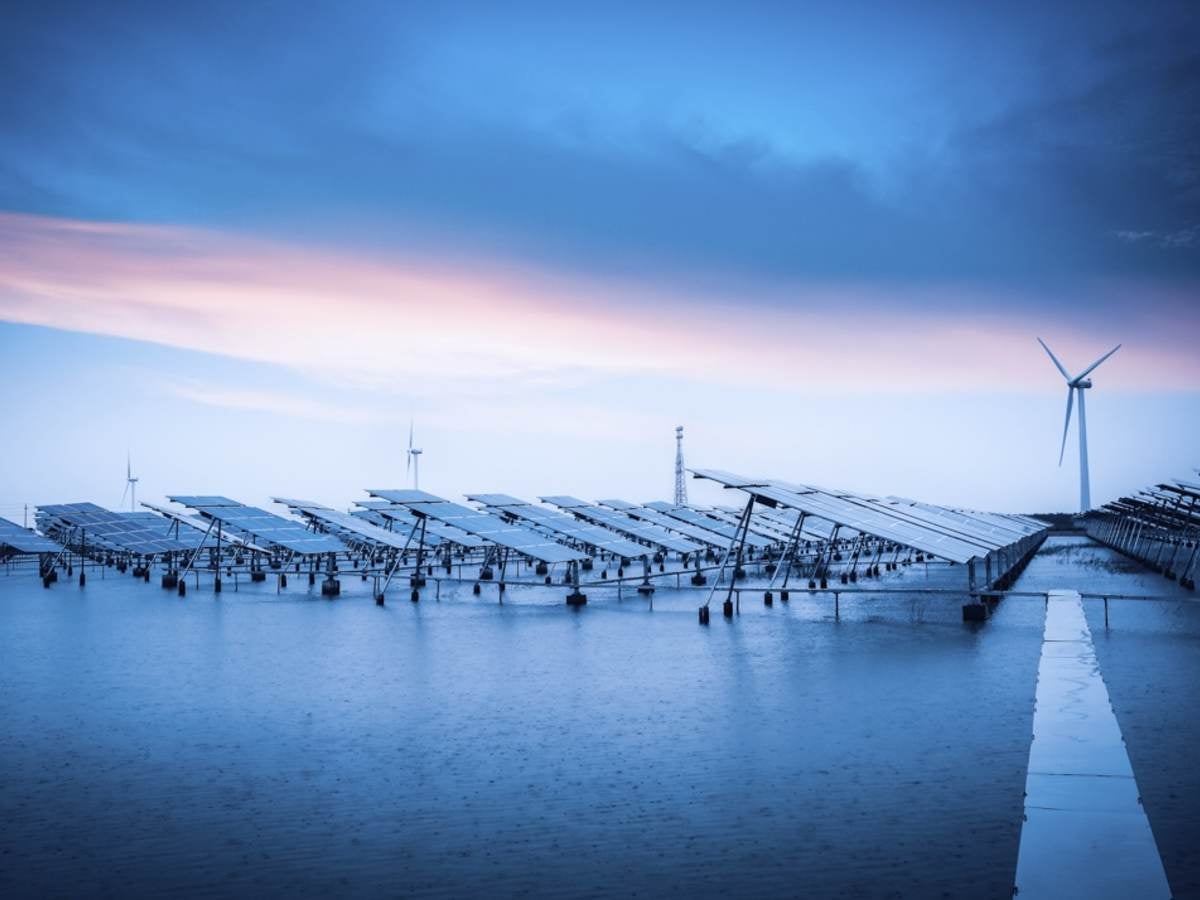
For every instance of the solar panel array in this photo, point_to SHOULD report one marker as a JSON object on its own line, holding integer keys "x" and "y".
{"x": 926, "y": 530}
{"x": 485, "y": 525}
{"x": 984, "y": 535}
{"x": 143, "y": 534}
{"x": 347, "y": 527}
{"x": 623, "y": 524}
{"x": 196, "y": 501}
{"x": 699, "y": 520}
{"x": 23, "y": 540}
{"x": 654, "y": 517}
{"x": 262, "y": 527}
{"x": 1159, "y": 525}
{"x": 564, "y": 526}
{"x": 402, "y": 518}
{"x": 812, "y": 529}
{"x": 195, "y": 531}
{"x": 758, "y": 525}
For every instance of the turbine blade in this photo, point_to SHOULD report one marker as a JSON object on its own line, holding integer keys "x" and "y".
{"x": 410, "y": 433}
{"x": 1097, "y": 362}
{"x": 125, "y": 493}
{"x": 1066, "y": 422}
{"x": 1054, "y": 359}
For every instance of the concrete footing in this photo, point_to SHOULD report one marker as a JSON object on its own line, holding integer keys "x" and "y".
{"x": 975, "y": 612}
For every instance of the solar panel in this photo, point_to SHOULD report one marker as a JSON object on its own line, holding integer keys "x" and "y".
{"x": 487, "y": 526}
{"x": 264, "y": 527}
{"x": 497, "y": 500}
{"x": 562, "y": 501}
{"x": 654, "y": 517}
{"x": 812, "y": 529}
{"x": 878, "y": 521}
{"x": 932, "y": 518}
{"x": 197, "y": 529}
{"x": 195, "y": 501}
{"x": 623, "y": 524}
{"x": 1001, "y": 530}
{"x": 405, "y": 496}
{"x": 23, "y": 540}
{"x": 563, "y": 525}
{"x": 349, "y": 528}
{"x": 707, "y": 523}
{"x": 758, "y": 525}
{"x": 402, "y": 519}
{"x": 143, "y": 534}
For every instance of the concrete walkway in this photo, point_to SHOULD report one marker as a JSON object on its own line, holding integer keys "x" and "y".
{"x": 1085, "y": 833}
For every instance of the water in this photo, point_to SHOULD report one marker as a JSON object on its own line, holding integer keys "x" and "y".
{"x": 288, "y": 745}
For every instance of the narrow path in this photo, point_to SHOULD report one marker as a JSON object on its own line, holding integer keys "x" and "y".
{"x": 1085, "y": 833}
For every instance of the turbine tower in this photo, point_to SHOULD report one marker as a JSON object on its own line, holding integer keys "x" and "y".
{"x": 414, "y": 458}
{"x": 680, "y": 482}
{"x": 1079, "y": 383}
{"x": 130, "y": 485}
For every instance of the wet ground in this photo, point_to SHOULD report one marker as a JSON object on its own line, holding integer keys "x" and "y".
{"x": 284, "y": 744}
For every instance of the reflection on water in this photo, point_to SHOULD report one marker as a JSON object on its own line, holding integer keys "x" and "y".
{"x": 290, "y": 745}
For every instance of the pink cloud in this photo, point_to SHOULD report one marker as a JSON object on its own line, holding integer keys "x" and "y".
{"x": 340, "y": 312}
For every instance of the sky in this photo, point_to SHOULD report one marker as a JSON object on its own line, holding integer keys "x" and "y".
{"x": 248, "y": 244}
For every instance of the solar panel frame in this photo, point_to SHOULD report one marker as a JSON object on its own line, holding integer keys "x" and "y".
{"x": 405, "y": 497}
{"x": 654, "y": 517}
{"x": 772, "y": 531}
{"x": 490, "y": 527}
{"x": 624, "y": 524}
{"x": 25, "y": 540}
{"x": 930, "y": 518}
{"x": 875, "y": 522}
{"x": 699, "y": 520}
{"x": 563, "y": 525}
{"x": 195, "y": 523}
{"x": 342, "y": 523}
{"x": 264, "y": 527}
{"x": 114, "y": 531}
{"x": 440, "y": 531}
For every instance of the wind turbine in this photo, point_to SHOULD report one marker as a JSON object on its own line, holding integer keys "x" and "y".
{"x": 1079, "y": 383}
{"x": 130, "y": 485}
{"x": 414, "y": 457}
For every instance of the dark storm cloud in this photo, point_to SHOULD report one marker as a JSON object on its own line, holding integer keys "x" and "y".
{"x": 311, "y": 120}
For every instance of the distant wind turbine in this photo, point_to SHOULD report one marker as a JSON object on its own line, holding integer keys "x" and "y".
{"x": 414, "y": 458}
{"x": 1079, "y": 384}
{"x": 130, "y": 485}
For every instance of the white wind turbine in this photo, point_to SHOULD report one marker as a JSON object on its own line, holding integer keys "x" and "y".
{"x": 130, "y": 485}
{"x": 414, "y": 458}
{"x": 1079, "y": 383}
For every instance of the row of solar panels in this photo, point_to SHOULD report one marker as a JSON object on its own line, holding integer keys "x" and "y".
{"x": 400, "y": 519}
{"x": 396, "y": 520}
{"x": 1172, "y": 505}
{"x": 955, "y": 535}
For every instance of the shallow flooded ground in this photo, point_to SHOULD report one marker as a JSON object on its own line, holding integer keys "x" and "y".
{"x": 284, "y": 744}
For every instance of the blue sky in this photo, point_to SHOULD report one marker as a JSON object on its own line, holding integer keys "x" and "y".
{"x": 550, "y": 232}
